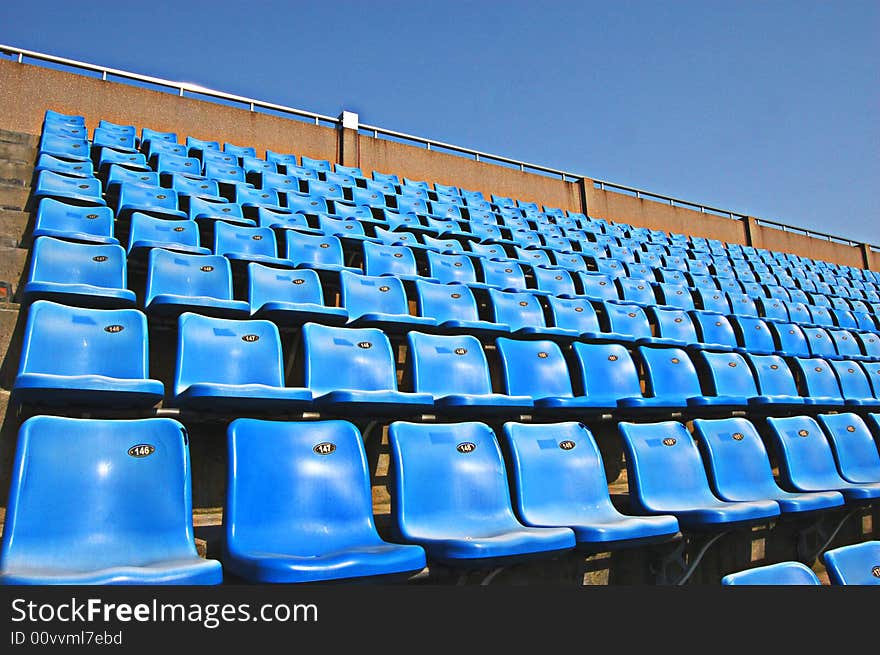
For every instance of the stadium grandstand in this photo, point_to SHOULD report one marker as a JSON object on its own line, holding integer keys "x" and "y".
{"x": 246, "y": 343}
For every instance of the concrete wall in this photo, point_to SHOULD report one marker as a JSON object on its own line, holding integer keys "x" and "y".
{"x": 26, "y": 91}
{"x": 659, "y": 216}
{"x": 422, "y": 164}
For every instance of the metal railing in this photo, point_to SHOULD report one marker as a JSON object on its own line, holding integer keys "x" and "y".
{"x": 253, "y": 104}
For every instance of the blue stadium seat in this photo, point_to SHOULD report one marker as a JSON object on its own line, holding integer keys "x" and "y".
{"x": 289, "y": 298}
{"x": 538, "y": 369}
{"x": 378, "y": 302}
{"x": 739, "y": 467}
{"x": 316, "y": 164}
{"x": 523, "y": 313}
{"x": 714, "y": 331}
{"x": 47, "y": 162}
{"x": 352, "y": 371}
{"x": 166, "y": 164}
{"x": 153, "y": 200}
{"x": 628, "y": 322}
{"x": 454, "y": 309}
{"x": 666, "y": 476}
{"x": 711, "y": 300}
{"x": 753, "y": 335}
{"x": 178, "y": 282}
{"x": 781, "y": 573}
{"x": 820, "y": 342}
{"x": 197, "y": 147}
{"x": 155, "y": 135}
{"x": 775, "y": 381}
{"x": 243, "y": 244}
{"x": 146, "y": 232}
{"x": 88, "y": 472}
{"x": 73, "y": 222}
{"x": 806, "y": 461}
{"x": 855, "y": 386}
{"x": 576, "y": 315}
{"x": 846, "y": 344}
{"x": 817, "y": 381}
{"x": 675, "y": 295}
{"x": 277, "y": 533}
{"x": 598, "y": 286}
{"x": 854, "y": 447}
{"x": 506, "y": 275}
{"x": 193, "y": 186}
{"x": 72, "y": 190}
{"x": 450, "y": 495}
{"x": 232, "y": 366}
{"x": 729, "y": 374}
{"x": 390, "y": 260}
{"x": 105, "y": 361}
{"x": 674, "y": 323}
{"x": 316, "y": 251}
{"x": 158, "y": 146}
{"x": 65, "y": 147}
{"x": 206, "y": 212}
{"x": 771, "y": 309}
{"x": 855, "y": 564}
{"x": 119, "y": 175}
{"x": 454, "y": 370}
{"x": 558, "y": 480}
{"x": 790, "y": 339}
{"x": 86, "y": 274}
{"x": 554, "y": 281}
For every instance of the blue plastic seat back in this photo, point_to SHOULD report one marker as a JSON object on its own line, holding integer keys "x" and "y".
{"x": 89, "y": 472}
{"x": 65, "y": 262}
{"x": 806, "y": 460}
{"x": 819, "y": 314}
{"x": 674, "y": 324}
{"x": 712, "y": 300}
{"x": 201, "y": 144}
{"x": 306, "y": 204}
{"x": 223, "y": 171}
{"x": 782, "y": 573}
{"x": 281, "y": 158}
{"x": 239, "y": 151}
{"x": 119, "y": 175}
{"x": 407, "y": 204}
{"x": 366, "y": 294}
{"x": 268, "y": 284}
{"x": 314, "y": 249}
{"x": 634, "y": 290}
{"x": 845, "y": 343}
{"x": 187, "y": 275}
{"x": 771, "y": 309}
{"x": 817, "y": 378}
{"x": 451, "y": 268}
{"x": 736, "y": 459}
{"x": 669, "y": 374}
{"x": 676, "y": 295}
{"x": 222, "y": 351}
{"x": 157, "y": 147}
{"x": 555, "y": 281}
{"x": 844, "y": 318}
{"x": 503, "y": 274}
{"x": 250, "y": 197}
{"x": 518, "y": 310}
{"x": 445, "y": 302}
{"x": 855, "y": 564}
{"x": 256, "y": 165}
{"x": 242, "y": 241}
{"x": 713, "y": 328}
{"x": 60, "y": 219}
{"x": 347, "y": 358}
{"x": 664, "y": 468}
{"x": 599, "y": 286}
{"x": 853, "y": 381}
{"x": 167, "y": 163}
{"x": 798, "y": 312}
{"x": 790, "y": 339}
{"x": 54, "y": 184}
{"x": 218, "y": 160}
{"x": 137, "y": 196}
{"x": 556, "y": 474}
{"x": 727, "y": 374}
{"x": 570, "y": 261}
{"x": 533, "y": 256}
{"x": 108, "y": 342}
{"x": 753, "y": 334}
{"x": 606, "y": 371}
{"x": 533, "y": 368}
{"x": 854, "y": 447}
{"x": 773, "y": 375}
{"x": 446, "y": 246}
{"x": 161, "y": 232}
{"x": 155, "y": 135}
{"x": 300, "y": 489}
{"x": 380, "y": 259}
{"x": 448, "y": 480}
{"x": 872, "y": 370}
{"x": 628, "y": 320}
{"x": 76, "y": 168}
{"x": 191, "y": 186}
{"x": 64, "y": 147}
{"x": 820, "y": 342}
{"x": 447, "y": 365}
{"x": 577, "y": 314}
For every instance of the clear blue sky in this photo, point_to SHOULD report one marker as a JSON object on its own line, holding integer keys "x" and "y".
{"x": 765, "y": 108}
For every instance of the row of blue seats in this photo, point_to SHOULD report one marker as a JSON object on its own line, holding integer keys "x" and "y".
{"x": 713, "y": 245}
{"x": 455, "y": 501}
{"x": 254, "y": 237}
{"x": 238, "y": 365}
{"x": 95, "y": 275}
{"x": 854, "y": 564}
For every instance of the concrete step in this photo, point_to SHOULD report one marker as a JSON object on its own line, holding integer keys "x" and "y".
{"x": 12, "y": 263}
{"x": 16, "y": 173}
{"x": 21, "y": 152}
{"x": 13, "y": 227}
{"x": 8, "y": 136}
{"x": 14, "y": 197}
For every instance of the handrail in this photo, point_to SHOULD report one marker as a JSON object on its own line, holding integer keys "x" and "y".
{"x": 566, "y": 176}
